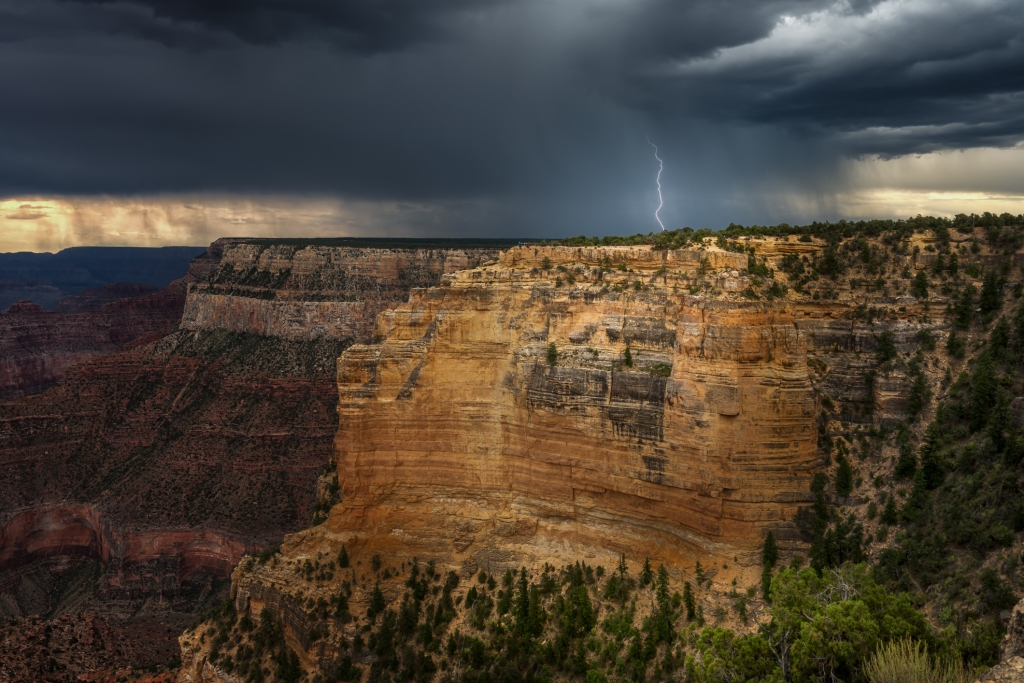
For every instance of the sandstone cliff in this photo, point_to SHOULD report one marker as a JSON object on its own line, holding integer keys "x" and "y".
{"x": 687, "y": 450}
{"x": 579, "y": 402}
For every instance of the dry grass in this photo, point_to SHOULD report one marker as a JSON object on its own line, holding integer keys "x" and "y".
{"x": 908, "y": 661}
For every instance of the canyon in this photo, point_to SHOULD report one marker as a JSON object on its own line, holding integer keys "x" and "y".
{"x": 136, "y": 484}
{"x": 38, "y": 346}
{"x": 481, "y": 407}
{"x": 568, "y": 402}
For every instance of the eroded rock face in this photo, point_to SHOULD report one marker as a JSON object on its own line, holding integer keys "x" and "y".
{"x": 37, "y": 346}
{"x": 458, "y": 432}
{"x": 314, "y": 292}
{"x": 570, "y": 404}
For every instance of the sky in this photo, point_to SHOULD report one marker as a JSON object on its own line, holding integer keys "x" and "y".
{"x": 154, "y": 122}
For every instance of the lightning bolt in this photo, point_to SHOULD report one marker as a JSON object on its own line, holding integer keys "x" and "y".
{"x": 661, "y": 167}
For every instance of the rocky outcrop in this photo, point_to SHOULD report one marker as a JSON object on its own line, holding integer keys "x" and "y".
{"x": 501, "y": 410}
{"x": 302, "y": 293}
{"x": 1011, "y": 652}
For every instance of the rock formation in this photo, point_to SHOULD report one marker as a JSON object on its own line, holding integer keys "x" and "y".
{"x": 142, "y": 477}
{"x": 314, "y": 292}
{"x": 568, "y": 402}
{"x": 508, "y": 408}
{"x": 38, "y": 346}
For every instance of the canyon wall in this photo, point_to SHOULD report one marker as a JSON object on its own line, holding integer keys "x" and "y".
{"x": 501, "y": 410}
{"x": 133, "y": 486}
{"x": 568, "y": 403}
{"x": 37, "y": 346}
{"x": 313, "y": 292}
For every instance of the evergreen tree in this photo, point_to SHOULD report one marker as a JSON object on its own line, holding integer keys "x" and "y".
{"x": 689, "y": 602}
{"x": 766, "y": 582}
{"x": 1000, "y": 338}
{"x": 919, "y": 391}
{"x": 953, "y": 266}
{"x": 991, "y": 296}
{"x": 844, "y": 477}
{"x": 906, "y": 465}
{"x": 578, "y": 617}
{"x": 377, "y": 603}
{"x": 955, "y": 345}
{"x": 343, "y": 558}
{"x": 889, "y": 513}
{"x": 663, "y": 632}
{"x": 919, "y": 288}
{"x": 770, "y": 552}
{"x": 886, "y": 350}
{"x": 522, "y": 606}
{"x": 984, "y": 386}
{"x": 646, "y": 575}
{"x": 963, "y": 311}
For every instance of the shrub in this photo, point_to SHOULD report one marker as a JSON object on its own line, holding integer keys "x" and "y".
{"x": 886, "y": 350}
{"x": 955, "y": 345}
{"x": 907, "y": 661}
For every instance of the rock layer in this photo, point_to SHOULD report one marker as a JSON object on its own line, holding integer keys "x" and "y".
{"x": 459, "y": 432}
{"x": 37, "y": 346}
{"x": 314, "y": 292}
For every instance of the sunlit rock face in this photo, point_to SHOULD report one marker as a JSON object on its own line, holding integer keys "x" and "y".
{"x": 504, "y": 413}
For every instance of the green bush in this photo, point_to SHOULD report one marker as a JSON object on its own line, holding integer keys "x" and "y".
{"x": 908, "y": 661}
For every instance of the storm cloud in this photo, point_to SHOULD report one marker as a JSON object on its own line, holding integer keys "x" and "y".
{"x": 510, "y": 117}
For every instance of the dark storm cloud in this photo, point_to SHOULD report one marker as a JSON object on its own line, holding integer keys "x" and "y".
{"x": 538, "y": 110}
{"x": 908, "y": 77}
{"x": 360, "y": 25}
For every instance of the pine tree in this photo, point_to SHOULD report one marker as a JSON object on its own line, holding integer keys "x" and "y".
{"x": 628, "y": 358}
{"x": 377, "y": 603}
{"x": 984, "y": 386}
{"x": 699, "y": 573}
{"x": 343, "y": 558}
{"x": 906, "y": 465}
{"x": 646, "y": 575}
{"x": 991, "y": 298}
{"x": 844, "y": 477}
{"x": 663, "y": 616}
{"x": 522, "y": 606}
{"x": 963, "y": 311}
{"x": 689, "y": 602}
{"x": 766, "y": 582}
{"x": 770, "y": 553}
{"x": 889, "y": 515}
{"x": 919, "y": 288}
